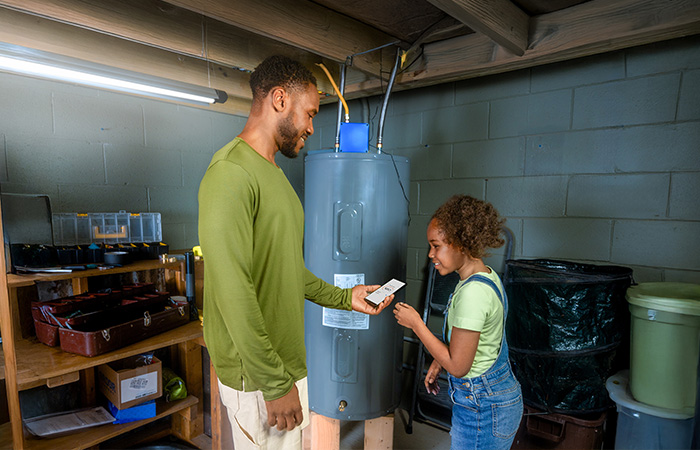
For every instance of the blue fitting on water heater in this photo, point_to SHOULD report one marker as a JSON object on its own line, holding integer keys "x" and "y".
{"x": 354, "y": 137}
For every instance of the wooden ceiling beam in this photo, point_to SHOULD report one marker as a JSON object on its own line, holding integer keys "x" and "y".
{"x": 149, "y": 22}
{"x": 161, "y": 25}
{"x": 50, "y": 36}
{"x": 184, "y": 45}
{"x": 594, "y": 27}
{"x": 302, "y": 24}
{"x": 500, "y": 20}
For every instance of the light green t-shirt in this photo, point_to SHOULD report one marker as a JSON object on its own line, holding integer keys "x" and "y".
{"x": 476, "y": 307}
{"x": 251, "y": 230}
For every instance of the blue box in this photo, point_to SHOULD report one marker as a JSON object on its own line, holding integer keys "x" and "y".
{"x": 354, "y": 137}
{"x": 146, "y": 410}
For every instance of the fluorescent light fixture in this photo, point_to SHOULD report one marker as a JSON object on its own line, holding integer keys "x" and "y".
{"x": 21, "y": 60}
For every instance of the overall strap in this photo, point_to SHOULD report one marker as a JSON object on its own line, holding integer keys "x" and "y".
{"x": 482, "y": 279}
{"x": 502, "y": 357}
{"x": 492, "y": 284}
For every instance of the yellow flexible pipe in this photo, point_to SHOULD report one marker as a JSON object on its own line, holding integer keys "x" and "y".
{"x": 345, "y": 104}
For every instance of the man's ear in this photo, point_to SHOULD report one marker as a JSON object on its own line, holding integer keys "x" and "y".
{"x": 279, "y": 99}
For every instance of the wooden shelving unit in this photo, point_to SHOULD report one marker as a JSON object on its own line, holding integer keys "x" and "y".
{"x": 40, "y": 363}
{"x": 27, "y": 363}
{"x": 93, "y": 436}
{"x": 16, "y": 281}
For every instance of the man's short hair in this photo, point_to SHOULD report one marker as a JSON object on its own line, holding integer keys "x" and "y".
{"x": 279, "y": 71}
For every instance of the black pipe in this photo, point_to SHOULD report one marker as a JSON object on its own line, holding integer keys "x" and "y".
{"x": 189, "y": 285}
{"x": 386, "y": 100}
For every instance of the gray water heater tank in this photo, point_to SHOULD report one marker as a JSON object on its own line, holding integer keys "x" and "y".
{"x": 356, "y": 230}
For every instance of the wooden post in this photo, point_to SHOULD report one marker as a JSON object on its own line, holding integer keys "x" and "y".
{"x": 325, "y": 432}
{"x": 87, "y": 387}
{"x": 80, "y": 285}
{"x": 8, "y": 317}
{"x": 221, "y": 432}
{"x": 379, "y": 433}
{"x": 189, "y": 423}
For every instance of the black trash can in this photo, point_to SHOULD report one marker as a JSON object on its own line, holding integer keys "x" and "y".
{"x": 567, "y": 330}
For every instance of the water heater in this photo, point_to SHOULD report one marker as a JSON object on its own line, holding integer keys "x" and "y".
{"x": 355, "y": 233}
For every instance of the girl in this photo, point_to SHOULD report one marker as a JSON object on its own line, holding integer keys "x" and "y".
{"x": 487, "y": 401}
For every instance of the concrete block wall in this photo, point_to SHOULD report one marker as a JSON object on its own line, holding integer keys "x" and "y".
{"x": 594, "y": 160}
{"x": 98, "y": 151}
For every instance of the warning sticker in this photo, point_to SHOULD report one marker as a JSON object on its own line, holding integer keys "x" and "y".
{"x": 350, "y": 320}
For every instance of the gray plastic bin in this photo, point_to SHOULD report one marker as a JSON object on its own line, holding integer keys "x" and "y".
{"x": 644, "y": 427}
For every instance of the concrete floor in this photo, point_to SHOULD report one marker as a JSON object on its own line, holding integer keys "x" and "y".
{"x": 424, "y": 437}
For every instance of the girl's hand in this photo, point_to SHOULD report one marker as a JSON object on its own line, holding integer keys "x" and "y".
{"x": 406, "y": 315}
{"x": 431, "y": 384}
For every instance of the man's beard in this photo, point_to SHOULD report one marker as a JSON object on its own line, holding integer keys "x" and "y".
{"x": 289, "y": 137}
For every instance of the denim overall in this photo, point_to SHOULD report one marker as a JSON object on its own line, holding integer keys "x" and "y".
{"x": 487, "y": 409}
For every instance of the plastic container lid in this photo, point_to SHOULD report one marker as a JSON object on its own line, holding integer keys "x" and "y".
{"x": 679, "y": 298}
{"x": 617, "y": 386}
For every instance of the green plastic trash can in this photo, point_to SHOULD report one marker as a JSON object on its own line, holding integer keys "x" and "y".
{"x": 665, "y": 342}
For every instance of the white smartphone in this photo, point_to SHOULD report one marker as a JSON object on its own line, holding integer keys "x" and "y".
{"x": 386, "y": 290}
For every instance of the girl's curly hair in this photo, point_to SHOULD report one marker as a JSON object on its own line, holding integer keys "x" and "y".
{"x": 470, "y": 225}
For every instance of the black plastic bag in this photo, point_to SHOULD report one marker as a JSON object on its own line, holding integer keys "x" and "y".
{"x": 568, "y": 330}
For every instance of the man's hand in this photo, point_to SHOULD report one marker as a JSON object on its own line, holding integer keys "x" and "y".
{"x": 359, "y": 303}
{"x": 285, "y": 412}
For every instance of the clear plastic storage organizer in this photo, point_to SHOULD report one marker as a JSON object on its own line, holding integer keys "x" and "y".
{"x": 108, "y": 228}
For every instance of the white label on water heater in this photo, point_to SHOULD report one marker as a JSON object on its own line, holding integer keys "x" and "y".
{"x": 350, "y": 320}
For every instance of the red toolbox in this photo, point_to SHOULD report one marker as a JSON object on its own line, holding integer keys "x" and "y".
{"x": 46, "y": 333}
{"x": 127, "y": 308}
{"x": 97, "y": 340}
{"x": 91, "y": 324}
{"x": 88, "y": 302}
{"x": 84, "y": 303}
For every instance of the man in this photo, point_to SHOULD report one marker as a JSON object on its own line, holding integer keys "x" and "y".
{"x": 251, "y": 228}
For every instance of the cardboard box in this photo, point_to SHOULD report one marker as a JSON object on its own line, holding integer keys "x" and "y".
{"x": 128, "y": 382}
{"x": 141, "y": 411}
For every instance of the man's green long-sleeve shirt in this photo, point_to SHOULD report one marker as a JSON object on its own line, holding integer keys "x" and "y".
{"x": 251, "y": 230}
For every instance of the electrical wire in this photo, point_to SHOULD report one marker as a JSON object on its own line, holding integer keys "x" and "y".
{"x": 375, "y": 48}
{"x": 396, "y": 169}
{"x": 403, "y": 189}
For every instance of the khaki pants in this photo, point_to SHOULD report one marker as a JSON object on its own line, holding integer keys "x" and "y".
{"x": 248, "y": 416}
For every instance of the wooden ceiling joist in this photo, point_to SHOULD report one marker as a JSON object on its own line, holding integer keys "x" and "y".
{"x": 51, "y": 36}
{"x": 301, "y": 24}
{"x": 161, "y": 25}
{"x": 204, "y": 42}
{"x": 590, "y": 28}
{"x": 500, "y": 20}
